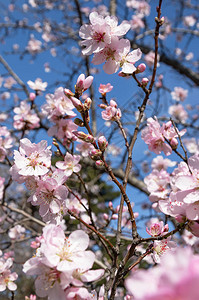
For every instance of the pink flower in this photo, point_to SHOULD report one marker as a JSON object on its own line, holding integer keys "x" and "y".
{"x": 25, "y": 117}
{"x": 50, "y": 195}
{"x": 6, "y": 277}
{"x": 61, "y": 261}
{"x": 17, "y": 232}
{"x": 189, "y": 21}
{"x": 96, "y": 35}
{"x": 58, "y": 104}
{"x": 178, "y": 112}
{"x": 32, "y": 159}
{"x": 156, "y": 227}
{"x": 176, "y": 277}
{"x": 149, "y": 58}
{"x": 129, "y": 59}
{"x": 179, "y": 94}
{"x": 105, "y": 88}
{"x": 79, "y": 294}
{"x": 153, "y": 137}
{"x": 70, "y": 164}
{"x": 38, "y": 85}
{"x": 34, "y": 46}
{"x": 111, "y": 112}
{"x": 160, "y": 163}
{"x": 9, "y": 82}
{"x": 136, "y": 23}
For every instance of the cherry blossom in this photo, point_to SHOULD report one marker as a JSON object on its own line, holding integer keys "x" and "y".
{"x": 105, "y": 88}
{"x": 111, "y": 112}
{"x": 58, "y": 104}
{"x": 179, "y": 94}
{"x": 175, "y": 277}
{"x": 16, "y": 232}
{"x": 34, "y": 46}
{"x": 38, "y": 85}
{"x": 70, "y": 164}
{"x": 156, "y": 227}
{"x": 178, "y": 112}
{"x": 6, "y": 277}
{"x": 160, "y": 163}
{"x": 32, "y": 159}
{"x": 61, "y": 261}
{"x": 25, "y": 117}
{"x": 153, "y": 137}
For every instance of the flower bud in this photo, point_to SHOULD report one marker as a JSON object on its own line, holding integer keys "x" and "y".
{"x": 68, "y": 93}
{"x": 140, "y": 69}
{"x": 103, "y": 106}
{"x": 144, "y": 81}
{"x": 84, "y": 137}
{"x": 105, "y": 216}
{"x": 95, "y": 152}
{"x": 87, "y": 103}
{"x": 77, "y": 103}
{"x": 32, "y": 96}
{"x": 174, "y": 143}
{"x": 102, "y": 143}
{"x": 99, "y": 163}
{"x": 79, "y": 122}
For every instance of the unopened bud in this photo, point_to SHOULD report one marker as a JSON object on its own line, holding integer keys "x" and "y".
{"x": 99, "y": 163}
{"x": 79, "y": 122}
{"x": 87, "y": 103}
{"x": 144, "y": 81}
{"x": 95, "y": 152}
{"x": 77, "y": 103}
{"x": 32, "y": 96}
{"x": 174, "y": 143}
{"x": 68, "y": 93}
{"x": 103, "y": 106}
{"x": 102, "y": 143}
{"x": 84, "y": 137}
{"x": 105, "y": 216}
{"x": 140, "y": 69}
{"x": 162, "y": 20}
{"x": 110, "y": 204}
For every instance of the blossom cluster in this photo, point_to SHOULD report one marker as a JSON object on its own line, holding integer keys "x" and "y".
{"x": 62, "y": 265}
{"x": 32, "y": 165}
{"x": 7, "y": 278}
{"x": 157, "y": 136}
{"x": 103, "y": 39}
{"x": 176, "y": 277}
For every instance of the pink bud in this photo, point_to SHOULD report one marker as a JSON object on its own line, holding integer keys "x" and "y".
{"x": 77, "y": 103}
{"x": 32, "y": 96}
{"x": 114, "y": 217}
{"x": 140, "y": 69}
{"x": 110, "y": 204}
{"x": 83, "y": 136}
{"x": 113, "y": 103}
{"x": 144, "y": 81}
{"x": 103, "y": 106}
{"x": 83, "y": 84}
{"x": 68, "y": 93}
{"x": 174, "y": 143}
{"x": 87, "y": 103}
{"x": 95, "y": 152}
{"x": 102, "y": 142}
{"x": 99, "y": 163}
{"x": 105, "y": 216}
